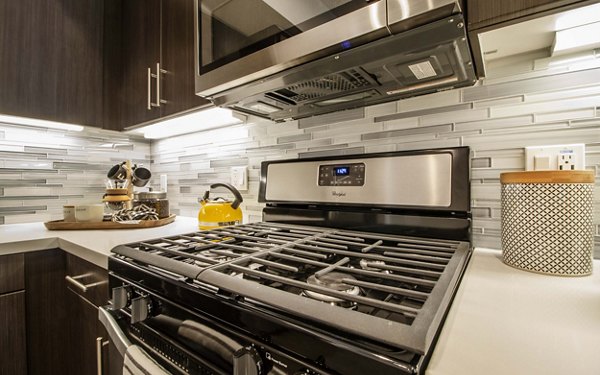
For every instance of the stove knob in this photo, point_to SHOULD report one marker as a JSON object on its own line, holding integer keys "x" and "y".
{"x": 247, "y": 361}
{"x": 121, "y": 297}
{"x": 140, "y": 309}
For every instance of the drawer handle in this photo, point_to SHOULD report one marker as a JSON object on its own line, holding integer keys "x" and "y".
{"x": 83, "y": 287}
{"x": 99, "y": 346}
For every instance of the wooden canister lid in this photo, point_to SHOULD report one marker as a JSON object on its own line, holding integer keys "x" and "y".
{"x": 548, "y": 177}
{"x": 118, "y": 191}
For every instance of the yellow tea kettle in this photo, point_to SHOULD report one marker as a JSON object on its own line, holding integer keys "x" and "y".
{"x": 220, "y": 212}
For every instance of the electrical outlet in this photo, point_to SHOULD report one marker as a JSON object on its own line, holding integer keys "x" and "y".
{"x": 239, "y": 177}
{"x": 565, "y": 162}
{"x": 557, "y": 157}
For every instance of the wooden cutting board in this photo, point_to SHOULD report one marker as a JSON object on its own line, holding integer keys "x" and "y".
{"x": 61, "y": 225}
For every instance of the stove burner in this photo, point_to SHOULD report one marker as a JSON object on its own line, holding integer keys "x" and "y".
{"x": 369, "y": 265}
{"x": 332, "y": 280}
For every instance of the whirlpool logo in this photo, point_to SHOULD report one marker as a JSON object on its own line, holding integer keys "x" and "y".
{"x": 338, "y": 193}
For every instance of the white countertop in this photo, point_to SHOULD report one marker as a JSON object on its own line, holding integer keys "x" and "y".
{"x": 502, "y": 320}
{"x": 508, "y": 321}
{"x": 91, "y": 245}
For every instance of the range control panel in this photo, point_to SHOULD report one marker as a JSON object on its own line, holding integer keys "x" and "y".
{"x": 352, "y": 174}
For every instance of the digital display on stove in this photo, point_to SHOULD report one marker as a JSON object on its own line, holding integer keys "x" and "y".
{"x": 341, "y": 171}
{"x": 342, "y": 175}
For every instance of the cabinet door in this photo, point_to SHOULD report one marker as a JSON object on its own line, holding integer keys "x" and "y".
{"x": 12, "y": 274}
{"x": 178, "y": 57}
{"x": 141, "y": 51}
{"x": 483, "y": 13}
{"x": 82, "y": 335}
{"x": 46, "y": 312}
{"x": 51, "y": 60}
{"x": 12, "y": 338}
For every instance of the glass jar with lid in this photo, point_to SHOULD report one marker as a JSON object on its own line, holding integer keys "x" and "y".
{"x": 153, "y": 199}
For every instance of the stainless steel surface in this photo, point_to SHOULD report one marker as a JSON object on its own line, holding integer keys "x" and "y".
{"x": 413, "y": 180}
{"x": 99, "y": 356}
{"x": 118, "y": 338}
{"x": 401, "y": 10}
{"x": 418, "y": 61}
{"x": 139, "y": 309}
{"x": 74, "y": 280}
{"x": 120, "y": 297}
{"x": 149, "y": 92}
{"x": 158, "y": 84}
{"x": 157, "y": 76}
{"x": 294, "y": 51}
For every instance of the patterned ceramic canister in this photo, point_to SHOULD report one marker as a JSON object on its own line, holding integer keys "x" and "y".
{"x": 547, "y": 221}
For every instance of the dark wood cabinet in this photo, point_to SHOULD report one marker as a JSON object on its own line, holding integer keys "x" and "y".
{"x": 51, "y": 60}
{"x": 157, "y": 61}
{"x": 483, "y": 13}
{"x": 50, "y": 326}
{"x": 178, "y": 57}
{"x": 13, "y": 350}
{"x": 46, "y": 312}
{"x": 88, "y": 342}
{"x": 13, "y": 358}
{"x": 140, "y": 56}
{"x": 83, "y": 332}
{"x": 12, "y": 273}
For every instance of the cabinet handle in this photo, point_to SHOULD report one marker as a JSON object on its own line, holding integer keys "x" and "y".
{"x": 159, "y": 71}
{"x": 99, "y": 346}
{"x": 83, "y": 287}
{"x": 158, "y": 84}
{"x": 149, "y": 89}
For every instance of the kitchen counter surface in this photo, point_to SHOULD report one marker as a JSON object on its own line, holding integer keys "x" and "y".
{"x": 91, "y": 245}
{"x": 502, "y": 320}
{"x": 508, "y": 321}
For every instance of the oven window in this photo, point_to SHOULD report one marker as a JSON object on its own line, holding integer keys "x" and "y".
{"x": 230, "y": 29}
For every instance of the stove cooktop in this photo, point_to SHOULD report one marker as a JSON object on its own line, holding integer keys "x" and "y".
{"x": 387, "y": 288}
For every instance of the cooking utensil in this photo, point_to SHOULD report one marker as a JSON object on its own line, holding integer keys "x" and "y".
{"x": 220, "y": 212}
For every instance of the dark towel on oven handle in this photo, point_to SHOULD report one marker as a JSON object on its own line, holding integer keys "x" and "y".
{"x": 210, "y": 339}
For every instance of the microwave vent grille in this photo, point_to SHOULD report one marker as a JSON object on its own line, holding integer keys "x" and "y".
{"x": 325, "y": 86}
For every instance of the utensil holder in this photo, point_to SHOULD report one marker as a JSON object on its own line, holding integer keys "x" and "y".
{"x": 547, "y": 221}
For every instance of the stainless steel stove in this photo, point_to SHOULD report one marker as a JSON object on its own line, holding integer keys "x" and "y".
{"x": 352, "y": 271}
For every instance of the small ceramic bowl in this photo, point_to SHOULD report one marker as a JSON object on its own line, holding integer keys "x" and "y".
{"x": 93, "y": 213}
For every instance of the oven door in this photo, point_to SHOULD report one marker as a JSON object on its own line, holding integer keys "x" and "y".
{"x": 197, "y": 349}
{"x": 239, "y": 41}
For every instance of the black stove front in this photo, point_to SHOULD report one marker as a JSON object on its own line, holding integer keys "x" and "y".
{"x": 312, "y": 290}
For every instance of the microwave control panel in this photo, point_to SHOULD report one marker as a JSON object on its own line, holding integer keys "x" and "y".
{"x": 352, "y": 174}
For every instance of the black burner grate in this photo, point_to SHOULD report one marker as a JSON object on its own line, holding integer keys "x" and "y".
{"x": 386, "y": 287}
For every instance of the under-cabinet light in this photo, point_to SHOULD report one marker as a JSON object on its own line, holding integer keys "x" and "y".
{"x": 194, "y": 122}
{"x": 576, "y": 39}
{"x": 574, "y": 58}
{"x": 578, "y": 17}
{"x": 39, "y": 123}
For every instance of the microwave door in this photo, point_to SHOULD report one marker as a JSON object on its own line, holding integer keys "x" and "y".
{"x": 239, "y": 41}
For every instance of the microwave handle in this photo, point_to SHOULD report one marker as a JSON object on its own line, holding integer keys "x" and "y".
{"x": 117, "y": 336}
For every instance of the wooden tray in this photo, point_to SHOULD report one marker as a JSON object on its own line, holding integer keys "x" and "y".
{"x": 61, "y": 225}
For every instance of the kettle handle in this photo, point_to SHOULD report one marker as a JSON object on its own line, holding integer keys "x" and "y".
{"x": 238, "y": 197}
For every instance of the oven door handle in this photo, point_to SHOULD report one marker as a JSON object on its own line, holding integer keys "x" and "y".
{"x": 117, "y": 336}
{"x": 209, "y": 339}
{"x": 244, "y": 360}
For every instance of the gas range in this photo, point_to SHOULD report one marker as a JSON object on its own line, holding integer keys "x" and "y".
{"x": 322, "y": 285}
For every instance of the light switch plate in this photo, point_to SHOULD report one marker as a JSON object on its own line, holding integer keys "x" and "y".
{"x": 555, "y": 157}
{"x": 239, "y": 177}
